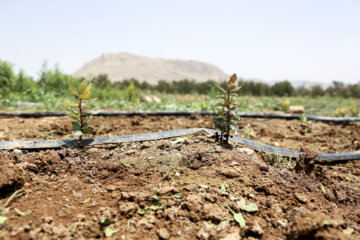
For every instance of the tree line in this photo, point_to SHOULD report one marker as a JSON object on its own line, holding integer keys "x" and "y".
{"x": 55, "y": 82}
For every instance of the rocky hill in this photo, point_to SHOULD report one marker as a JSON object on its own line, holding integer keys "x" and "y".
{"x": 120, "y": 66}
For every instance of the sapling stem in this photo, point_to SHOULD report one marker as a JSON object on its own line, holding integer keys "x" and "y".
{"x": 227, "y": 117}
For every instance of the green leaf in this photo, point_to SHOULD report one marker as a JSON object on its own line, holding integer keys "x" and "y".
{"x": 232, "y": 80}
{"x": 218, "y": 120}
{"x": 236, "y": 89}
{"x": 220, "y": 88}
{"x": 69, "y": 104}
{"x": 105, "y": 222}
{"x": 154, "y": 207}
{"x": 3, "y": 219}
{"x": 83, "y": 86}
{"x": 76, "y": 125}
{"x": 85, "y": 95}
{"x": 88, "y": 130}
{"x": 76, "y": 133}
{"x": 20, "y": 212}
{"x": 73, "y": 115}
{"x": 110, "y": 231}
{"x": 251, "y": 207}
{"x": 223, "y": 190}
{"x": 74, "y": 91}
{"x": 89, "y": 87}
{"x": 220, "y": 105}
{"x": 238, "y": 217}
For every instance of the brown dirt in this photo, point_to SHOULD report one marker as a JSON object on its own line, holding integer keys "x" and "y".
{"x": 69, "y": 190}
{"x": 293, "y": 134}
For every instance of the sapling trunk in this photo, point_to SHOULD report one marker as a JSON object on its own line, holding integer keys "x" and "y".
{"x": 81, "y": 120}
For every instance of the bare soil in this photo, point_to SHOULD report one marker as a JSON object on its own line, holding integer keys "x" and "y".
{"x": 180, "y": 188}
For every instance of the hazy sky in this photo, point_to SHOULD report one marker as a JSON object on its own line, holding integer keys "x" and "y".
{"x": 315, "y": 40}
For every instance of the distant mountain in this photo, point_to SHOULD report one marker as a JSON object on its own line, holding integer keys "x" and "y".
{"x": 120, "y": 66}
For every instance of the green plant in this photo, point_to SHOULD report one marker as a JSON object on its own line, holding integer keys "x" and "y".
{"x": 132, "y": 93}
{"x": 285, "y": 105}
{"x": 342, "y": 111}
{"x": 355, "y": 110}
{"x": 83, "y": 95}
{"x": 227, "y": 118}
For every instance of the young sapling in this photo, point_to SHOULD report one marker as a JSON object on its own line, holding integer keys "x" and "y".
{"x": 76, "y": 110}
{"x": 227, "y": 119}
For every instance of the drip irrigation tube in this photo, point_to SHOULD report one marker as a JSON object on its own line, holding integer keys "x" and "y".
{"x": 53, "y": 144}
{"x": 186, "y": 113}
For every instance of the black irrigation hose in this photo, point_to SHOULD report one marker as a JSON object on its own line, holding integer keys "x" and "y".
{"x": 51, "y": 144}
{"x": 187, "y": 113}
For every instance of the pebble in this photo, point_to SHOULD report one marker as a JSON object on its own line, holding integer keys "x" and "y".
{"x": 252, "y": 196}
{"x": 281, "y": 223}
{"x": 131, "y": 152}
{"x": 48, "y": 219}
{"x": 93, "y": 150}
{"x": 163, "y": 233}
{"x": 202, "y": 234}
{"x": 17, "y": 151}
{"x": 177, "y": 174}
{"x": 248, "y": 151}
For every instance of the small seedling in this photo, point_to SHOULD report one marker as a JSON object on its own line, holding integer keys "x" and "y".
{"x": 227, "y": 118}
{"x": 83, "y": 95}
{"x": 238, "y": 217}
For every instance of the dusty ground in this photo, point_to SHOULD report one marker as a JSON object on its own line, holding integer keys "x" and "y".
{"x": 178, "y": 188}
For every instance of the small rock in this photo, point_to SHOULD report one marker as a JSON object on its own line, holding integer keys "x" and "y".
{"x": 167, "y": 189}
{"x": 111, "y": 188}
{"x": 232, "y": 236}
{"x": 163, "y": 233}
{"x": 147, "y": 99}
{"x": 213, "y": 212}
{"x": 177, "y": 174}
{"x": 223, "y": 225}
{"x": 131, "y": 152}
{"x": 229, "y": 172}
{"x": 156, "y": 99}
{"x": 297, "y": 109}
{"x": 301, "y": 198}
{"x": 248, "y": 151}
{"x": 171, "y": 213}
{"x": 48, "y": 219}
{"x": 145, "y": 223}
{"x": 93, "y": 150}
{"x": 218, "y": 149}
{"x": 281, "y": 223}
{"x": 128, "y": 209}
{"x": 80, "y": 218}
{"x": 203, "y": 186}
{"x": 252, "y": 196}
{"x": 234, "y": 163}
{"x": 256, "y": 229}
{"x": 17, "y": 151}
{"x": 202, "y": 234}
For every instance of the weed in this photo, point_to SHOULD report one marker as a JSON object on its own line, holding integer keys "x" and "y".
{"x": 226, "y": 118}
{"x": 280, "y": 161}
{"x": 80, "y": 124}
{"x": 304, "y": 119}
